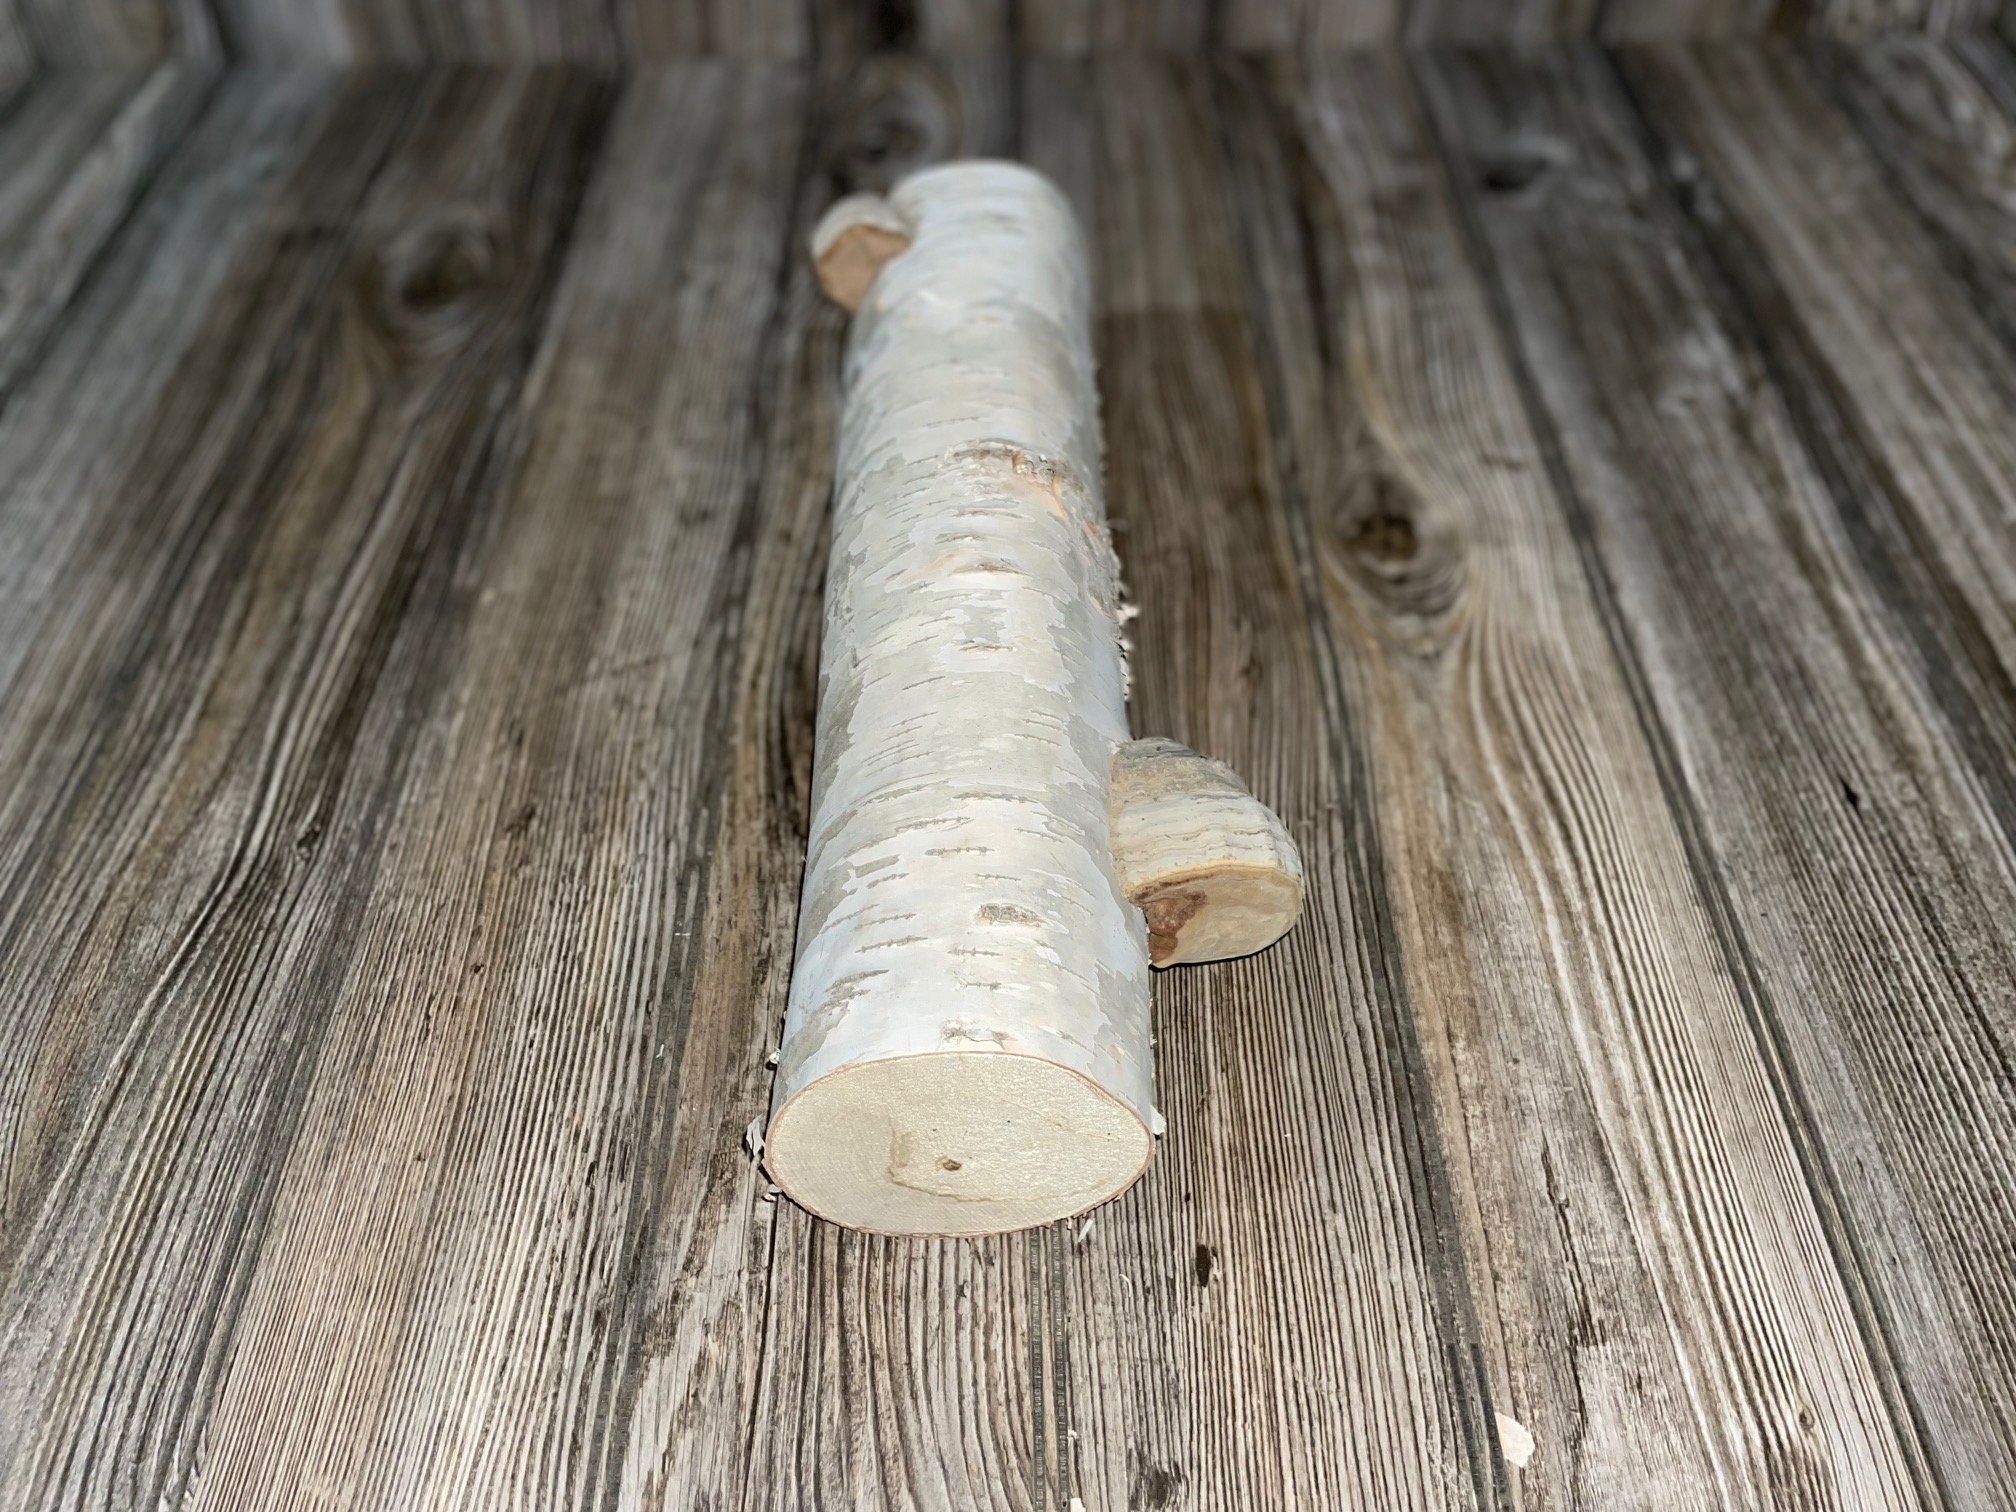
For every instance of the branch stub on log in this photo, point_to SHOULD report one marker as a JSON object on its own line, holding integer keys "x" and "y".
{"x": 851, "y": 243}
{"x": 1208, "y": 864}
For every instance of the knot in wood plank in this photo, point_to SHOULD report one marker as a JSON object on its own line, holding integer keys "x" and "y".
{"x": 434, "y": 276}
{"x": 1519, "y": 165}
{"x": 902, "y": 113}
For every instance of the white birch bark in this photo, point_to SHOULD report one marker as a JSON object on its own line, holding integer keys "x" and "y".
{"x": 966, "y": 1048}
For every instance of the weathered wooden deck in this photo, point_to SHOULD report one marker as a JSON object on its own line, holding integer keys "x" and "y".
{"x": 1579, "y": 492}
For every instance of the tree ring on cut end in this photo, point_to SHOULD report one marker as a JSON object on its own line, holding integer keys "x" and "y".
{"x": 954, "y": 1143}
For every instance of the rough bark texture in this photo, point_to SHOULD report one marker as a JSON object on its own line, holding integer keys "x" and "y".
{"x": 967, "y": 1044}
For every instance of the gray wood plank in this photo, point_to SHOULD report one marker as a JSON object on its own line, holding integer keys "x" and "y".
{"x": 1880, "y": 931}
{"x": 76, "y": 152}
{"x": 1859, "y": 867}
{"x": 200, "y": 784}
{"x": 98, "y": 33}
{"x": 1650, "y": 1275}
{"x": 694, "y": 1311}
{"x": 114, "y": 33}
{"x": 565, "y": 814}
{"x": 1519, "y": 23}
{"x": 1642, "y": 21}
{"x": 1663, "y": 20}
{"x": 1265, "y": 25}
{"x": 1854, "y": 20}
{"x": 17, "y": 54}
{"x": 1300, "y": 1179}
{"x": 66, "y": 436}
{"x": 498, "y": 33}
{"x": 411, "y": 523}
{"x": 1937, "y": 116}
{"x": 966, "y": 27}
{"x": 1074, "y": 28}
{"x": 1899, "y": 387}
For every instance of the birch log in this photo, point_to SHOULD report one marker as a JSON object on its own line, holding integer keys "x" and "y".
{"x": 966, "y": 1048}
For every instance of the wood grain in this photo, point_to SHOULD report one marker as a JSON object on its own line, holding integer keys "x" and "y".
{"x": 498, "y": 33}
{"x": 1301, "y": 1174}
{"x": 1663, "y": 20}
{"x": 1518, "y": 23}
{"x": 1628, "y": 1189}
{"x": 412, "y": 497}
{"x": 1856, "y": 20}
{"x": 110, "y": 33}
{"x": 101, "y": 373}
{"x": 1269, "y": 25}
{"x": 1892, "y": 977}
{"x": 1076, "y": 27}
{"x": 1828, "y": 801}
{"x": 1899, "y": 386}
{"x": 17, "y": 56}
{"x": 1938, "y": 118}
{"x": 188, "y": 854}
{"x": 124, "y": 33}
{"x": 567, "y": 815}
{"x": 80, "y": 149}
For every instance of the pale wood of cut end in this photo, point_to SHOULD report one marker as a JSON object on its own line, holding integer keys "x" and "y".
{"x": 851, "y": 243}
{"x": 1210, "y": 865}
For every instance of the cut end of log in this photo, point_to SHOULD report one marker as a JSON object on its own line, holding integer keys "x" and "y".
{"x": 851, "y": 243}
{"x": 954, "y": 1144}
{"x": 1210, "y": 866}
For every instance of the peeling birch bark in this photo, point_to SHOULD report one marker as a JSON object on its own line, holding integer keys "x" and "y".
{"x": 966, "y": 1048}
